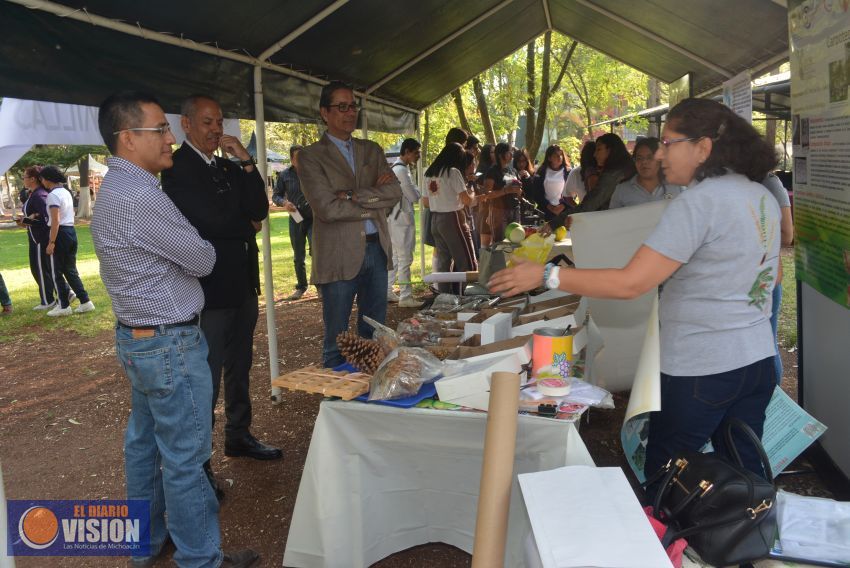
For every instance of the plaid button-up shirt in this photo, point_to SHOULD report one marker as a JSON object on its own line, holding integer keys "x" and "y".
{"x": 150, "y": 255}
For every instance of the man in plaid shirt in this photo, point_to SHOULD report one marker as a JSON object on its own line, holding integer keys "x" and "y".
{"x": 150, "y": 261}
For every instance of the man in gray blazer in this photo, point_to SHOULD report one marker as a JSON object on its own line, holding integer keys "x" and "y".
{"x": 350, "y": 188}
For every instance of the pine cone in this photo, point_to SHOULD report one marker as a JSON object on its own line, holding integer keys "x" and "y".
{"x": 365, "y": 354}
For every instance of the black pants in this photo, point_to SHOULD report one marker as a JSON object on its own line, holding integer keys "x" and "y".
{"x": 301, "y": 235}
{"x": 64, "y": 267}
{"x": 40, "y": 268}
{"x": 230, "y": 336}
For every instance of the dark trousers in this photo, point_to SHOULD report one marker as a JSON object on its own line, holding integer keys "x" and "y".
{"x": 40, "y": 268}
{"x": 370, "y": 289}
{"x": 63, "y": 265}
{"x": 693, "y": 409}
{"x": 301, "y": 236}
{"x": 230, "y": 336}
{"x": 5, "y": 300}
{"x": 453, "y": 241}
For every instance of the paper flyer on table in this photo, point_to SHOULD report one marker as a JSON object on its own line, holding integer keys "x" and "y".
{"x": 645, "y": 396}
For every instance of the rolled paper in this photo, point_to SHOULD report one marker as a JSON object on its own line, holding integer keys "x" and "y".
{"x": 550, "y": 346}
{"x": 441, "y": 277}
{"x": 497, "y": 472}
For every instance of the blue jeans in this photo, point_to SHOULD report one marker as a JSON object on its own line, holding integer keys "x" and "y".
{"x": 774, "y": 325}
{"x": 693, "y": 410}
{"x": 370, "y": 288}
{"x": 169, "y": 438}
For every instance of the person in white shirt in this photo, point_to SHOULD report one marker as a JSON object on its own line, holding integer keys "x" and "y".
{"x": 402, "y": 225}
{"x": 447, "y": 197}
{"x": 549, "y": 187}
{"x": 647, "y": 185}
{"x": 62, "y": 246}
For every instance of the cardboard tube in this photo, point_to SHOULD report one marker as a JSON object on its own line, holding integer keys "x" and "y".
{"x": 497, "y": 472}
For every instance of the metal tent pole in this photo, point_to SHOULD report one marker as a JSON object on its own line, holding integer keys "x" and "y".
{"x": 259, "y": 113}
{"x": 420, "y": 181}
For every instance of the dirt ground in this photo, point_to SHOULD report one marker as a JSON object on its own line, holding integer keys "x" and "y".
{"x": 64, "y": 405}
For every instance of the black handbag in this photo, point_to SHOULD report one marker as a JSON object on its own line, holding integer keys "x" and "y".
{"x": 725, "y": 511}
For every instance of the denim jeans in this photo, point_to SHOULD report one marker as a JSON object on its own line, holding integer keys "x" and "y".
{"x": 693, "y": 410}
{"x": 370, "y": 288}
{"x": 774, "y": 325}
{"x": 168, "y": 439}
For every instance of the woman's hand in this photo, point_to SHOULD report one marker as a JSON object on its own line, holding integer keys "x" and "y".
{"x": 545, "y": 230}
{"x": 514, "y": 190}
{"x": 525, "y": 275}
{"x": 49, "y": 249}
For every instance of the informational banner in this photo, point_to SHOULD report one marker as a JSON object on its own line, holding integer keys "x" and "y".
{"x": 820, "y": 66}
{"x": 26, "y": 123}
{"x": 738, "y": 95}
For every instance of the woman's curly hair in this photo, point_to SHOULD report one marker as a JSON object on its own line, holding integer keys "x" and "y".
{"x": 736, "y": 145}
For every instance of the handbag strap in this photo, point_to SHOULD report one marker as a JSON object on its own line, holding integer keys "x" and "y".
{"x": 671, "y": 536}
{"x": 734, "y": 423}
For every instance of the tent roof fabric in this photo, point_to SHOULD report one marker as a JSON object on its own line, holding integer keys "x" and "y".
{"x": 410, "y": 53}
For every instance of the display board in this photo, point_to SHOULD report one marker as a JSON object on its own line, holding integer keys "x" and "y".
{"x": 820, "y": 58}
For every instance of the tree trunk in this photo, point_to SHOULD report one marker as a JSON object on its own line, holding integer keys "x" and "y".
{"x": 531, "y": 97}
{"x": 84, "y": 207}
{"x": 489, "y": 135}
{"x": 770, "y": 132}
{"x": 11, "y": 196}
{"x": 461, "y": 114}
{"x": 533, "y": 144}
{"x": 654, "y": 99}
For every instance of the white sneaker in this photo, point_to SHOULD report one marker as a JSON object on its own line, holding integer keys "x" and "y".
{"x": 45, "y": 306}
{"x": 87, "y": 307}
{"x": 60, "y": 311}
{"x": 392, "y": 296}
{"x": 409, "y": 302}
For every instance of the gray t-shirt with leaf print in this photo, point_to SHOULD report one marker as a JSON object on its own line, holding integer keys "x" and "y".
{"x": 715, "y": 309}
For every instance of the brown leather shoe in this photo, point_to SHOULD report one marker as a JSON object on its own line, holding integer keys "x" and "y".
{"x": 240, "y": 559}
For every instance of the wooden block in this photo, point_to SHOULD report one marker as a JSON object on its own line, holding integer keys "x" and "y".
{"x": 318, "y": 380}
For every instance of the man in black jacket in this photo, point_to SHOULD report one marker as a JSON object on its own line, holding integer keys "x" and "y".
{"x": 226, "y": 202}
{"x": 288, "y": 194}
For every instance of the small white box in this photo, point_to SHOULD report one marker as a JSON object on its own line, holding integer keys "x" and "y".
{"x": 496, "y": 328}
{"x": 475, "y": 379}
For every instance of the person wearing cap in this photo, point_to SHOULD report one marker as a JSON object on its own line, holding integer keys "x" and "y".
{"x": 62, "y": 245}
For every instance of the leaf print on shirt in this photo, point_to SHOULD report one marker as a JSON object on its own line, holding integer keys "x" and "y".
{"x": 760, "y": 291}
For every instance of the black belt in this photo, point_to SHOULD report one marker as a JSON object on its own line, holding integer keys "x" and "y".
{"x": 193, "y": 321}
{"x": 373, "y": 238}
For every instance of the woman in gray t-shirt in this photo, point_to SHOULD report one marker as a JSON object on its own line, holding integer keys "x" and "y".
{"x": 716, "y": 249}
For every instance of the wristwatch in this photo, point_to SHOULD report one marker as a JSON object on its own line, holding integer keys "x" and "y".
{"x": 249, "y": 162}
{"x": 550, "y": 276}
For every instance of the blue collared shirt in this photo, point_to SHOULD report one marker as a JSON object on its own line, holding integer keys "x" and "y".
{"x": 346, "y": 148}
{"x": 150, "y": 255}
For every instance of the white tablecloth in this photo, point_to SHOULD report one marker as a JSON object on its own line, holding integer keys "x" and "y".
{"x": 379, "y": 480}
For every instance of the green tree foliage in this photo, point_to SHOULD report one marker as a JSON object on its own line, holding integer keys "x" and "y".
{"x": 62, "y": 156}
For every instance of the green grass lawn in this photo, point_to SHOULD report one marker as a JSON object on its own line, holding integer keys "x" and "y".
{"x": 787, "y": 331}
{"x": 14, "y": 266}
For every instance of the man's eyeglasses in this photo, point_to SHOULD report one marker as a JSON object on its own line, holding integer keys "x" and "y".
{"x": 345, "y": 107}
{"x": 161, "y": 130}
{"x": 667, "y": 141}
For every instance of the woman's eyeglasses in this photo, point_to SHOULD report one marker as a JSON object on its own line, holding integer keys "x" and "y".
{"x": 667, "y": 141}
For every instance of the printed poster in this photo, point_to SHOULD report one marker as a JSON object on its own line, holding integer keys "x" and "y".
{"x": 820, "y": 65}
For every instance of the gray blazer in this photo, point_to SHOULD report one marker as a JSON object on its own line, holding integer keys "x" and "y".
{"x": 339, "y": 236}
